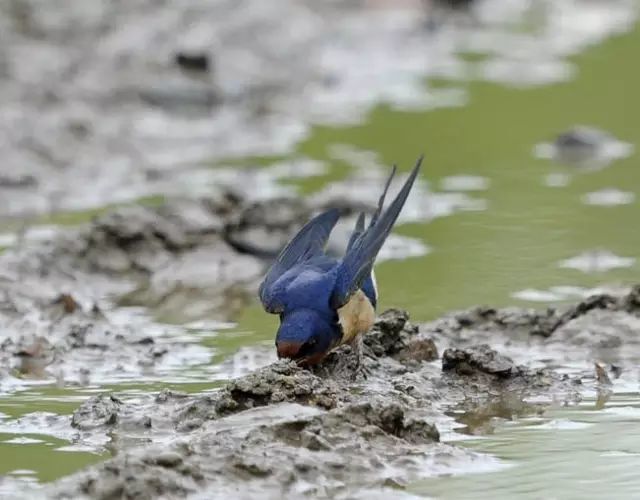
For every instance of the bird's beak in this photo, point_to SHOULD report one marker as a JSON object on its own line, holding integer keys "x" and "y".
{"x": 288, "y": 349}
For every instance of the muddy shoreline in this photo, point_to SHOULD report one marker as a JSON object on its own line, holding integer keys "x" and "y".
{"x": 110, "y": 104}
{"x": 281, "y": 430}
{"x": 284, "y": 431}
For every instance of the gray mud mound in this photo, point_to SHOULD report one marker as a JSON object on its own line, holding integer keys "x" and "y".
{"x": 285, "y": 431}
{"x": 599, "y": 327}
{"x": 481, "y": 359}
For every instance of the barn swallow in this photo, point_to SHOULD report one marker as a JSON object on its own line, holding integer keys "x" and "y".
{"x": 325, "y": 302}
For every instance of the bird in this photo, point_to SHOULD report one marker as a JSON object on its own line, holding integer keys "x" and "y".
{"x": 325, "y": 302}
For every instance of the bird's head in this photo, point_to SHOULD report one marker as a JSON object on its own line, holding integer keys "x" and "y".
{"x": 305, "y": 335}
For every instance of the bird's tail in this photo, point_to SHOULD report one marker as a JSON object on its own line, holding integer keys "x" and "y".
{"x": 364, "y": 246}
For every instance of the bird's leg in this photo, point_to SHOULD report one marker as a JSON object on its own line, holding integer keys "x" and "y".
{"x": 358, "y": 349}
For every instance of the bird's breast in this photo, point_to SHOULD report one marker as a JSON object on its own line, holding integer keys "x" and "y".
{"x": 356, "y": 317}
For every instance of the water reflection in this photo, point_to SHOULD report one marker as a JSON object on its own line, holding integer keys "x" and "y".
{"x": 486, "y": 418}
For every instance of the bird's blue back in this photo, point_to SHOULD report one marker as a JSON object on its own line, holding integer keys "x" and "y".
{"x": 309, "y": 285}
{"x": 320, "y": 299}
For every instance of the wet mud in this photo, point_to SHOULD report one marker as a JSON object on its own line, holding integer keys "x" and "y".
{"x": 280, "y": 430}
{"x": 104, "y": 104}
{"x": 285, "y": 430}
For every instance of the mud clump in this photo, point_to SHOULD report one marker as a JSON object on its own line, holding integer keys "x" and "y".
{"x": 393, "y": 335}
{"x": 105, "y": 412}
{"x": 479, "y": 375}
{"x": 418, "y": 350}
{"x": 599, "y": 321}
{"x": 389, "y": 335}
{"x": 481, "y": 358}
{"x": 132, "y": 238}
{"x": 283, "y": 449}
{"x": 277, "y": 383}
{"x": 152, "y": 475}
{"x": 97, "y": 411}
{"x": 485, "y": 321}
{"x": 628, "y": 303}
{"x": 392, "y": 418}
{"x": 392, "y": 339}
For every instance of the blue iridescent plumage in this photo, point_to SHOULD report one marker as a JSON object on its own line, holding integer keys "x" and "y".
{"x": 324, "y": 302}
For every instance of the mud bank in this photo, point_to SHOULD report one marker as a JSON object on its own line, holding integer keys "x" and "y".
{"x": 106, "y": 302}
{"x": 281, "y": 430}
{"x": 601, "y": 327}
{"x": 286, "y": 431}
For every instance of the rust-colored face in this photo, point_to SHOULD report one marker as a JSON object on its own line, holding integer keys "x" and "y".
{"x": 288, "y": 349}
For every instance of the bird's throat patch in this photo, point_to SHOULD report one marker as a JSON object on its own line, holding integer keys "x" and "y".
{"x": 356, "y": 317}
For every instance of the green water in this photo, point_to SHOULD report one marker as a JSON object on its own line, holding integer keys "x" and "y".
{"x": 477, "y": 257}
{"x": 528, "y": 227}
{"x": 587, "y": 451}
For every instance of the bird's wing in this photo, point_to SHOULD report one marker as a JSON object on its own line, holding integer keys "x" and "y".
{"x": 358, "y": 261}
{"x": 308, "y": 243}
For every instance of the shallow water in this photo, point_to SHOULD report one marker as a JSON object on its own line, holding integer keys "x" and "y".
{"x": 591, "y": 450}
{"x": 497, "y": 232}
